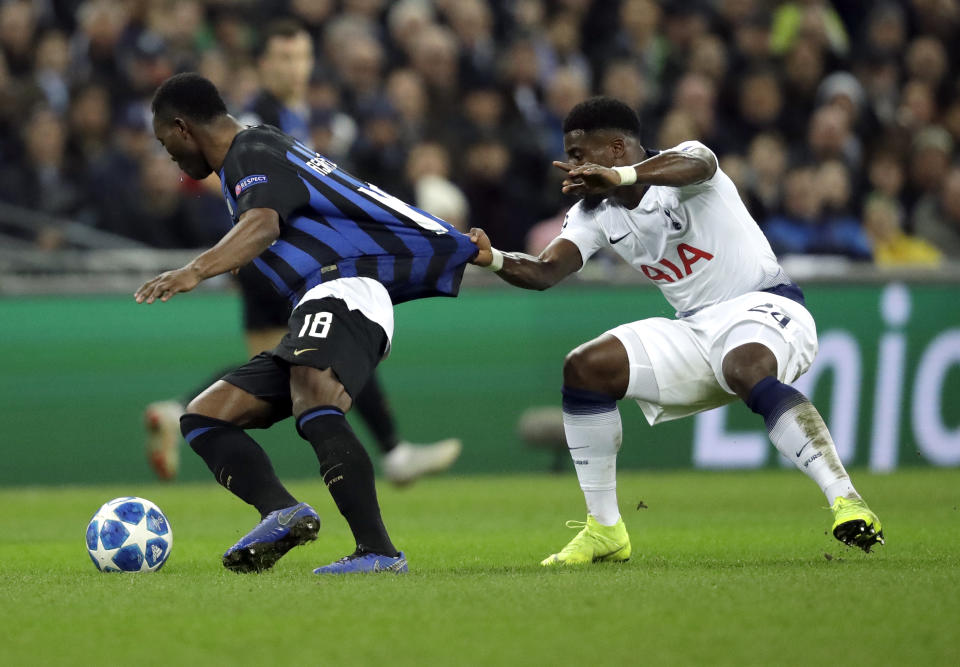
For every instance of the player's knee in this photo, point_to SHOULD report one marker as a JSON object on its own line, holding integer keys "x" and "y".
{"x": 600, "y": 365}
{"x": 204, "y": 406}
{"x": 310, "y": 387}
{"x": 227, "y": 403}
{"x": 580, "y": 370}
{"x": 742, "y": 373}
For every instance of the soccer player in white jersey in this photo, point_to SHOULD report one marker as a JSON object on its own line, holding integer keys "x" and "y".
{"x": 741, "y": 329}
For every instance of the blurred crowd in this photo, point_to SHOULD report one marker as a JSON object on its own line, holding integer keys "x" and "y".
{"x": 838, "y": 122}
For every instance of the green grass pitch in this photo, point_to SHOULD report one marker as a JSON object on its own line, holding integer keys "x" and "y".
{"x": 729, "y": 568}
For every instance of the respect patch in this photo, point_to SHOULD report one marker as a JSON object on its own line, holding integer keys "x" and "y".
{"x": 249, "y": 182}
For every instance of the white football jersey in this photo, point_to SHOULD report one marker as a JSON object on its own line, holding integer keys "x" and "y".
{"x": 698, "y": 243}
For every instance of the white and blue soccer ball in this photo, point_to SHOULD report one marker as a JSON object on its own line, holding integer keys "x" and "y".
{"x": 129, "y": 535}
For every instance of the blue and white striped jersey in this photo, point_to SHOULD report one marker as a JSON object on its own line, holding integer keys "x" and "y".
{"x": 334, "y": 225}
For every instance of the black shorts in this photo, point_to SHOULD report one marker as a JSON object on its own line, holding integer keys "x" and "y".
{"x": 323, "y": 333}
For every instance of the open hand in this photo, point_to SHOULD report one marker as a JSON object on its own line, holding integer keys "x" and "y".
{"x": 587, "y": 179}
{"x": 167, "y": 284}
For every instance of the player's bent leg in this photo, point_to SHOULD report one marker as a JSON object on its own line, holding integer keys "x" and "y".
{"x": 213, "y": 426}
{"x": 600, "y": 365}
{"x": 319, "y": 403}
{"x": 799, "y": 433}
{"x": 595, "y": 375}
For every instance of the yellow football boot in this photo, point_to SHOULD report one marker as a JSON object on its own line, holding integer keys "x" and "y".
{"x": 854, "y": 524}
{"x": 593, "y": 543}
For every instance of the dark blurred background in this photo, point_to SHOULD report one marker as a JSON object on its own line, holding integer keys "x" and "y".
{"x": 837, "y": 121}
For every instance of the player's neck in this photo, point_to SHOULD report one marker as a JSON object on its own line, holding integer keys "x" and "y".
{"x": 629, "y": 197}
{"x": 216, "y": 138}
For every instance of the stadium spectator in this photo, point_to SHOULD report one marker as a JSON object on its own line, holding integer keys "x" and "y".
{"x": 696, "y": 95}
{"x": 759, "y": 106}
{"x": 494, "y": 197}
{"x": 810, "y": 21}
{"x": 885, "y": 174}
{"x": 937, "y": 217}
{"x": 803, "y": 69}
{"x": 50, "y": 69}
{"x": 928, "y": 164}
{"x": 45, "y": 180}
{"x": 441, "y": 65}
{"x": 830, "y": 137}
{"x": 767, "y": 159}
{"x": 472, "y": 22}
{"x": 378, "y": 153}
{"x": 405, "y": 91}
{"x": 833, "y": 182}
{"x": 17, "y": 29}
{"x": 88, "y": 121}
{"x": 154, "y": 210}
{"x": 892, "y": 247}
{"x": 804, "y": 227}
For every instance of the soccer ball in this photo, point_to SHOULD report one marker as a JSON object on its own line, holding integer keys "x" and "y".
{"x": 129, "y": 535}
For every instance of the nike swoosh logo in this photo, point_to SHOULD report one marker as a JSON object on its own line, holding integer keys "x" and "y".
{"x": 284, "y": 519}
{"x": 297, "y": 353}
{"x": 799, "y": 451}
{"x": 618, "y": 239}
{"x": 395, "y": 567}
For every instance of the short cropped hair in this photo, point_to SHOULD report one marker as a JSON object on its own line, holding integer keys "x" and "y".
{"x": 190, "y": 95}
{"x": 284, "y": 28}
{"x": 602, "y": 113}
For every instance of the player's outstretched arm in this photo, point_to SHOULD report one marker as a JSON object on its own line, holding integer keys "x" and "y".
{"x": 674, "y": 168}
{"x": 557, "y": 261}
{"x": 253, "y": 233}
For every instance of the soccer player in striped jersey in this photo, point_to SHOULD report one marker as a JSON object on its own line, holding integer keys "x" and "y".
{"x": 741, "y": 331}
{"x": 343, "y": 252}
{"x": 285, "y": 64}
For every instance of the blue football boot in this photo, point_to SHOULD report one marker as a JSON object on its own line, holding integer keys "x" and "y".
{"x": 278, "y": 533}
{"x": 362, "y": 563}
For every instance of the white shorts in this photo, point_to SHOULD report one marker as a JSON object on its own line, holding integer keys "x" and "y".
{"x": 687, "y": 354}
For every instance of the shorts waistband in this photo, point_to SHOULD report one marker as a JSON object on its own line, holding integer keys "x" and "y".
{"x": 789, "y": 290}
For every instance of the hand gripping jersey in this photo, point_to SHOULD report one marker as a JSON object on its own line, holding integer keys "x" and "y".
{"x": 698, "y": 243}
{"x": 333, "y": 225}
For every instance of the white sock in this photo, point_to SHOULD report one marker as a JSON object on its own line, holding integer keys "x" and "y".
{"x": 594, "y": 440}
{"x": 800, "y": 434}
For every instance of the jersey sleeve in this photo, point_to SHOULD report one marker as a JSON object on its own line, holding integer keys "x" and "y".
{"x": 582, "y": 230}
{"x": 259, "y": 178}
{"x": 694, "y": 147}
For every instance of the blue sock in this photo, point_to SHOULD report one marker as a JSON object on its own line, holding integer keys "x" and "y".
{"x": 586, "y": 402}
{"x": 770, "y": 399}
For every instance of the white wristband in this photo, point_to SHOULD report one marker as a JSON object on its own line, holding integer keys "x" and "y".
{"x": 497, "y": 262}
{"x": 628, "y": 175}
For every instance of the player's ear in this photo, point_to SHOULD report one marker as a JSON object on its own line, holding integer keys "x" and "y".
{"x": 181, "y": 126}
{"x": 618, "y": 147}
